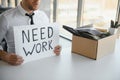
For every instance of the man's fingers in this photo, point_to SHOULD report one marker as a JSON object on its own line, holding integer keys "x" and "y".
{"x": 15, "y": 63}
{"x": 15, "y": 59}
{"x": 57, "y": 50}
{"x": 14, "y": 56}
{"x": 58, "y": 47}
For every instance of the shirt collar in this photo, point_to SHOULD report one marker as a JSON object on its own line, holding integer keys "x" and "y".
{"x": 22, "y": 11}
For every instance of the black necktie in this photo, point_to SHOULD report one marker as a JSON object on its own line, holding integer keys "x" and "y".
{"x": 31, "y": 17}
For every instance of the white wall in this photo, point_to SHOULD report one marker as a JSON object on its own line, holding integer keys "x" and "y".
{"x": 45, "y": 6}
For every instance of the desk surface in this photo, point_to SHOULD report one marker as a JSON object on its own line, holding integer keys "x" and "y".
{"x": 67, "y": 66}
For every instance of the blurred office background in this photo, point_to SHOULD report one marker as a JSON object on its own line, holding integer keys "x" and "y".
{"x": 76, "y": 13}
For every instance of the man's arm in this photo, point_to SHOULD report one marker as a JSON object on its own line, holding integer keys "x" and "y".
{"x": 11, "y": 58}
{"x": 2, "y": 53}
{"x": 3, "y": 29}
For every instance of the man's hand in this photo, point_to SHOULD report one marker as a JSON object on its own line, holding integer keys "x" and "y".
{"x": 13, "y": 59}
{"x": 57, "y": 50}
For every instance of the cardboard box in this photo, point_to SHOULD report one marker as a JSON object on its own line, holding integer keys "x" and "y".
{"x": 93, "y": 48}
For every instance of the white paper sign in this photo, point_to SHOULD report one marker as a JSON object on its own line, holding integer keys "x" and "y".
{"x": 34, "y": 42}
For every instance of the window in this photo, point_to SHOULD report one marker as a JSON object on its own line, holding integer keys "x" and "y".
{"x": 66, "y": 14}
{"x": 99, "y": 12}
{"x": 9, "y": 3}
{"x": 75, "y": 13}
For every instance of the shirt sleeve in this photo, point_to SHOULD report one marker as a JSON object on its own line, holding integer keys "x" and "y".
{"x": 3, "y": 29}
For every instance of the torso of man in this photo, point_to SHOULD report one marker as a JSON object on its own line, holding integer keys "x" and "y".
{"x": 16, "y": 17}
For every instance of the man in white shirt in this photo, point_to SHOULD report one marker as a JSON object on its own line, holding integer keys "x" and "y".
{"x": 26, "y": 13}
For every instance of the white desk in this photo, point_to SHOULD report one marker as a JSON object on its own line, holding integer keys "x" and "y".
{"x": 67, "y": 66}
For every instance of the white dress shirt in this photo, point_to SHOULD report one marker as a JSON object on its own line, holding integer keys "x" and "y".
{"x": 16, "y": 17}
